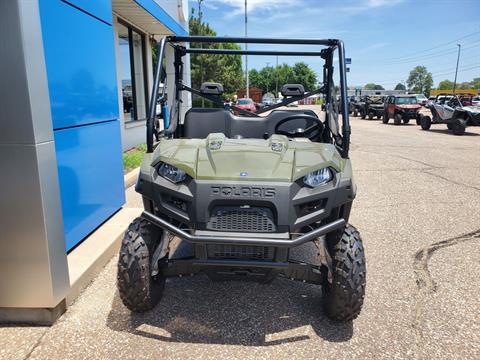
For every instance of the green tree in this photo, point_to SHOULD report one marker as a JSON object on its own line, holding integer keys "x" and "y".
{"x": 372, "y": 86}
{"x": 400, "y": 86}
{"x": 299, "y": 73}
{"x": 420, "y": 80}
{"x": 464, "y": 86}
{"x": 303, "y": 74}
{"x": 224, "y": 69}
{"x": 445, "y": 85}
{"x": 475, "y": 83}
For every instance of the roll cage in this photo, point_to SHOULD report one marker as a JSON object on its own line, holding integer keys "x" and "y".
{"x": 341, "y": 140}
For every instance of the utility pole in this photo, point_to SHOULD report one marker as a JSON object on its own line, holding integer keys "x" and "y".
{"x": 246, "y": 56}
{"x": 456, "y": 70}
{"x": 201, "y": 45}
{"x": 276, "y": 79}
{"x": 268, "y": 80}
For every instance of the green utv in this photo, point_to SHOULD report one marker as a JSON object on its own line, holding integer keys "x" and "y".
{"x": 244, "y": 190}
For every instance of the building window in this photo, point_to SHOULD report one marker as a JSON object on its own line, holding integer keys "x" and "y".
{"x": 132, "y": 72}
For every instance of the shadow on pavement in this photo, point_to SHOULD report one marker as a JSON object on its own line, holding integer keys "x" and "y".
{"x": 448, "y": 132}
{"x": 197, "y": 310}
{"x": 400, "y": 125}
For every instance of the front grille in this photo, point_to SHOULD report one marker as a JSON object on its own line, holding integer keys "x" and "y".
{"x": 237, "y": 218}
{"x": 240, "y": 252}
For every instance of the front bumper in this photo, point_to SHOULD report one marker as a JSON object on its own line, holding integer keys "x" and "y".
{"x": 225, "y": 239}
{"x": 376, "y": 110}
{"x": 409, "y": 113}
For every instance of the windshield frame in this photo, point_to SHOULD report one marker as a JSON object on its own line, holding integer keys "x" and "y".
{"x": 413, "y": 100}
{"x": 325, "y": 53}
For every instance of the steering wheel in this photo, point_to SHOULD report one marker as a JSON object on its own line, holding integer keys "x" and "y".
{"x": 312, "y": 132}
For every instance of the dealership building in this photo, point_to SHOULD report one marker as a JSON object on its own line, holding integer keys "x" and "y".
{"x": 75, "y": 78}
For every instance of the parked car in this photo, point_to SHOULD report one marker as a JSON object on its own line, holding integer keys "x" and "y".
{"x": 466, "y": 100}
{"x": 476, "y": 101}
{"x": 421, "y": 99}
{"x": 401, "y": 108}
{"x": 452, "y": 113}
{"x": 268, "y": 101}
{"x": 245, "y": 103}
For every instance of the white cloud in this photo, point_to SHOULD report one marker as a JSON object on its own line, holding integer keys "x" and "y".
{"x": 379, "y": 3}
{"x": 255, "y": 5}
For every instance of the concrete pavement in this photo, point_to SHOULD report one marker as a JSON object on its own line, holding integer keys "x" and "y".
{"x": 418, "y": 210}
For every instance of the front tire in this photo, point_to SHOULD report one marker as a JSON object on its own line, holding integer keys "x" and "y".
{"x": 385, "y": 117}
{"x": 371, "y": 115}
{"x": 355, "y": 113}
{"x": 459, "y": 127}
{"x": 138, "y": 290}
{"x": 425, "y": 122}
{"x": 418, "y": 118}
{"x": 344, "y": 296}
{"x": 397, "y": 119}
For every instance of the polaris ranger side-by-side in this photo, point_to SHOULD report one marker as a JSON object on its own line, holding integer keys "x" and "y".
{"x": 372, "y": 107}
{"x": 402, "y": 108}
{"x": 245, "y": 189}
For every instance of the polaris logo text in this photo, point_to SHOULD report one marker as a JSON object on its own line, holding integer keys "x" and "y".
{"x": 243, "y": 191}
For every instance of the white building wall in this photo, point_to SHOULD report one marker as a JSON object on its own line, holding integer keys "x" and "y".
{"x": 134, "y": 133}
{"x": 177, "y": 9}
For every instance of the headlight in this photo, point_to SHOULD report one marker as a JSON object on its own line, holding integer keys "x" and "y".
{"x": 171, "y": 173}
{"x": 318, "y": 177}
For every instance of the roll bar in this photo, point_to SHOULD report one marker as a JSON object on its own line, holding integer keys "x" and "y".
{"x": 326, "y": 53}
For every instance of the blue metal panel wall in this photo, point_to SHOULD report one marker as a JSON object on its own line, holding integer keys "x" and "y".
{"x": 90, "y": 172}
{"x": 102, "y": 9}
{"x": 80, "y": 61}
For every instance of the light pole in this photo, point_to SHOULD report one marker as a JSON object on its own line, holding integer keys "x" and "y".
{"x": 201, "y": 45}
{"x": 456, "y": 70}
{"x": 276, "y": 79}
{"x": 268, "y": 80}
{"x": 246, "y": 56}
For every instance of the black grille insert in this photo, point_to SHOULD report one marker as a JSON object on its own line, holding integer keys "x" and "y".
{"x": 240, "y": 218}
{"x": 240, "y": 252}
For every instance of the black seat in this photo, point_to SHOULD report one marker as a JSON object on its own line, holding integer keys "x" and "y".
{"x": 199, "y": 123}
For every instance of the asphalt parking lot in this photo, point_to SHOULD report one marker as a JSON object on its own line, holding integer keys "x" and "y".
{"x": 418, "y": 210}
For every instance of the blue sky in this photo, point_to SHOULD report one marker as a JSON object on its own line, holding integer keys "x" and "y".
{"x": 384, "y": 38}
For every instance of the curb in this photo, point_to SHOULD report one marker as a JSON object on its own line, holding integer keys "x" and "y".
{"x": 131, "y": 177}
{"x": 91, "y": 256}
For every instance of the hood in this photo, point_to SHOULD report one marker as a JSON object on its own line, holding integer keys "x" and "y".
{"x": 409, "y": 106}
{"x": 220, "y": 158}
{"x": 475, "y": 109}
